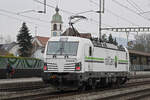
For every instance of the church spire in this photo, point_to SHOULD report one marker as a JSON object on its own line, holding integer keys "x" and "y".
{"x": 56, "y": 23}
{"x": 57, "y": 9}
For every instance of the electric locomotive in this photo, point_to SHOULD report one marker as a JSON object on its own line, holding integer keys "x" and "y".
{"x": 74, "y": 62}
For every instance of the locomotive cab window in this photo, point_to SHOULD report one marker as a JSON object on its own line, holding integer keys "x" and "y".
{"x": 90, "y": 51}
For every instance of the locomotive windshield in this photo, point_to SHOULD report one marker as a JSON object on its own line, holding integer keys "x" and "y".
{"x": 62, "y": 48}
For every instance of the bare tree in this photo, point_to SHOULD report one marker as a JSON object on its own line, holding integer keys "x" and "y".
{"x": 8, "y": 39}
{"x": 142, "y": 43}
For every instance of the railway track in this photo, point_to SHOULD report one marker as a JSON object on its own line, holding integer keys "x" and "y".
{"x": 101, "y": 94}
{"x": 22, "y": 86}
{"x": 133, "y": 95}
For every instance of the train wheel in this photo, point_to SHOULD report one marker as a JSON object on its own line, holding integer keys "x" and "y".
{"x": 90, "y": 84}
{"x": 82, "y": 86}
{"x": 124, "y": 80}
{"x": 118, "y": 83}
{"x": 94, "y": 84}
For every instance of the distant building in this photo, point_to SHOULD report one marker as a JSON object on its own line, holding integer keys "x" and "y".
{"x": 39, "y": 44}
{"x": 70, "y": 32}
{"x": 10, "y": 48}
{"x": 14, "y": 50}
{"x": 39, "y": 41}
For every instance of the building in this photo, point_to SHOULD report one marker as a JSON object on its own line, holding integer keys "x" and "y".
{"x": 39, "y": 44}
{"x": 56, "y": 24}
{"x": 140, "y": 61}
{"x": 10, "y": 48}
{"x": 70, "y": 32}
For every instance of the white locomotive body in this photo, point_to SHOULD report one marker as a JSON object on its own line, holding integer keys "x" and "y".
{"x": 80, "y": 63}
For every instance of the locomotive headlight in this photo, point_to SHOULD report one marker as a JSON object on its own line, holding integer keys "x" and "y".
{"x": 78, "y": 66}
{"x": 45, "y": 67}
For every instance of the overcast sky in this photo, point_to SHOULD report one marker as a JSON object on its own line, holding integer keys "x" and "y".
{"x": 118, "y": 13}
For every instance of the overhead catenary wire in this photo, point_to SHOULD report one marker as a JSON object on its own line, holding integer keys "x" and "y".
{"x": 27, "y": 11}
{"x": 15, "y": 18}
{"x": 136, "y": 5}
{"x": 38, "y": 19}
{"x": 65, "y": 11}
{"x": 13, "y": 13}
{"x": 124, "y": 19}
{"x": 96, "y": 22}
{"x": 133, "y": 5}
{"x": 129, "y": 9}
{"x": 92, "y": 20}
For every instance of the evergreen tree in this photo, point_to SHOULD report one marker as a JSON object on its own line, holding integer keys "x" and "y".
{"x": 115, "y": 42}
{"x": 110, "y": 39}
{"x": 24, "y": 40}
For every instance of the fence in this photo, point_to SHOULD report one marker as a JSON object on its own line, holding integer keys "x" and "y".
{"x": 24, "y": 67}
{"x": 140, "y": 67}
{"x": 21, "y": 63}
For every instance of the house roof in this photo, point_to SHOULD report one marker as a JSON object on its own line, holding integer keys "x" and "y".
{"x": 5, "y": 48}
{"x": 139, "y": 53}
{"x": 85, "y": 35}
{"x": 43, "y": 40}
{"x": 71, "y": 32}
{"x": 8, "y": 46}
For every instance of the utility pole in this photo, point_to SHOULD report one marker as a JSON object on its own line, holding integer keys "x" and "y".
{"x": 100, "y": 20}
{"x": 41, "y": 11}
{"x": 44, "y": 8}
{"x": 101, "y": 10}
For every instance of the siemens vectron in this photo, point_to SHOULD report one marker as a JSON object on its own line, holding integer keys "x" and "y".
{"x": 74, "y": 62}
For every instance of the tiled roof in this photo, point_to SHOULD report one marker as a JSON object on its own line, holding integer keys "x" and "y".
{"x": 8, "y": 46}
{"x": 85, "y": 35}
{"x": 139, "y": 53}
{"x": 43, "y": 40}
{"x": 71, "y": 32}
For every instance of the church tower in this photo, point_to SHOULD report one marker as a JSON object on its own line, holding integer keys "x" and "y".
{"x": 56, "y": 24}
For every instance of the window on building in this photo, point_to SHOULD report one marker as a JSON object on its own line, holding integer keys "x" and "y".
{"x": 54, "y": 33}
{"x": 55, "y": 27}
{"x": 60, "y": 26}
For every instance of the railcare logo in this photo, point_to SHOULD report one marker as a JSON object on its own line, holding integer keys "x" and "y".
{"x": 109, "y": 61}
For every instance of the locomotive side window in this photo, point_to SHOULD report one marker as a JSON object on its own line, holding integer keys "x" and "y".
{"x": 90, "y": 51}
{"x": 126, "y": 56}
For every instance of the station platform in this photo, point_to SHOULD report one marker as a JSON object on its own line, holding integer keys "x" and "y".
{"x": 20, "y": 80}
{"x": 20, "y": 83}
{"x": 139, "y": 74}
